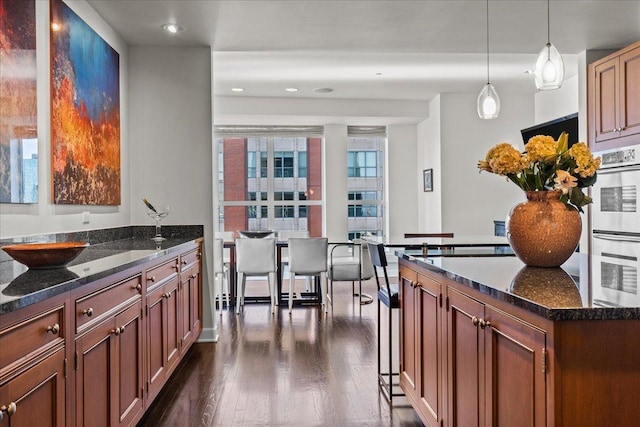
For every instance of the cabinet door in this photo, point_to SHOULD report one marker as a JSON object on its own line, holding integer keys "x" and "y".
{"x": 514, "y": 371}
{"x": 130, "y": 365}
{"x": 630, "y": 92}
{"x": 37, "y": 395}
{"x": 162, "y": 334}
{"x": 408, "y": 337}
{"x": 465, "y": 367}
{"x": 429, "y": 352}
{"x": 606, "y": 102}
{"x": 190, "y": 306}
{"x": 95, "y": 378}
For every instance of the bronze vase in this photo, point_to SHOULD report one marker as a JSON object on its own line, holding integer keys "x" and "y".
{"x": 543, "y": 231}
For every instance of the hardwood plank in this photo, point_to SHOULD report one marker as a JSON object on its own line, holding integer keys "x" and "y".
{"x": 307, "y": 369}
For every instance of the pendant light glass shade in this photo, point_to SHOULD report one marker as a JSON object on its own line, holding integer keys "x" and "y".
{"x": 488, "y": 102}
{"x": 549, "y": 70}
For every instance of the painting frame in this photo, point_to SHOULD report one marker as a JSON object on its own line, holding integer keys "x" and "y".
{"x": 85, "y": 113}
{"x": 427, "y": 180}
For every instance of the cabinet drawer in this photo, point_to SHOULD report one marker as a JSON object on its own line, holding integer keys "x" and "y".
{"x": 190, "y": 258}
{"x": 28, "y": 338}
{"x": 161, "y": 272}
{"x": 96, "y": 305}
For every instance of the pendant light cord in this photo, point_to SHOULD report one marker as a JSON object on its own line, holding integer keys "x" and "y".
{"x": 548, "y": 24}
{"x": 488, "y": 81}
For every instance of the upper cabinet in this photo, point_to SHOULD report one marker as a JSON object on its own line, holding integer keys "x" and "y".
{"x": 614, "y": 100}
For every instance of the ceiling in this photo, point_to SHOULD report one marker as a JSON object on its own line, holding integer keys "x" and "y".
{"x": 375, "y": 49}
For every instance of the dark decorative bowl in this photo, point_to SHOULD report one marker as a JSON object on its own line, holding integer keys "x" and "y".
{"x": 45, "y": 255}
{"x": 256, "y": 234}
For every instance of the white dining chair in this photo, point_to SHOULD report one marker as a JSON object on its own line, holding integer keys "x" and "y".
{"x": 284, "y": 236}
{"x": 221, "y": 273}
{"x": 255, "y": 257}
{"x": 353, "y": 267}
{"x": 308, "y": 257}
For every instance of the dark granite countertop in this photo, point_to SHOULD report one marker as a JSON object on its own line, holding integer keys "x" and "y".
{"x": 110, "y": 251}
{"x": 564, "y": 293}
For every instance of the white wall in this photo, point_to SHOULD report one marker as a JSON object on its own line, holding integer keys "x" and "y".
{"x": 552, "y": 104}
{"x": 171, "y": 154}
{"x": 472, "y": 201}
{"x": 402, "y": 180}
{"x": 428, "y": 156}
{"x": 45, "y": 217}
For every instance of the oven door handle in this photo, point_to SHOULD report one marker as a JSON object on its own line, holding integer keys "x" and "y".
{"x": 616, "y": 238}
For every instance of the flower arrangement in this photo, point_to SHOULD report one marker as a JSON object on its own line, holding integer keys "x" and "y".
{"x": 546, "y": 164}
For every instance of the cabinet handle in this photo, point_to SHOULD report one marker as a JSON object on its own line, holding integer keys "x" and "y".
{"x": 122, "y": 329}
{"x": 53, "y": 329}
{"x": 138, "y": 287}
{"x": 10, "y": 409}
{"x": 485, "y": 324}
{"x": 199, "y": 254}
{"x": 475, "y": 320}
{"x": 151, "y": 279}
{"x": 166, "y": 295}
{"x": 177, "y": 267}
{"x": 184, "y": 262}
{"x": 88, "y": 312}
{"x": 116, "y": 331}
{"x": 193, "y": 276}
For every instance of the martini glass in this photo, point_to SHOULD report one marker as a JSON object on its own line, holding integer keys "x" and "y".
{"x": 158, "y": 215}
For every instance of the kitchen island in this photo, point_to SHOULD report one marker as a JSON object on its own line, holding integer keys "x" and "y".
{"x": 93, "y": 343}
{"x": 488, "y": 341}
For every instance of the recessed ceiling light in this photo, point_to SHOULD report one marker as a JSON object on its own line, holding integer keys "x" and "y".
{"x": 172, "y": 28}
{"x": 291, "y": 89}
{"x": 323, "y": 90}
{"x": 237, "y": 89}
{"x": 378, "y": 74}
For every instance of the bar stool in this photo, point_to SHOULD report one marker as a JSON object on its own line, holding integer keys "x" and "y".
{"x": 388, "y": 295}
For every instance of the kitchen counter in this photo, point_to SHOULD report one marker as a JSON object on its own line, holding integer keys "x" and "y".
{"x": 110, "y": 251}
{"x": 558, "y": 294}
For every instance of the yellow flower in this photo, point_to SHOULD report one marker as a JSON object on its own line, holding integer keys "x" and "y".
{"x": 564, "y": 181}
{"x": 586, "y": 165}
{"x": 503, "y": 159}
{"x": 541, "y": 148}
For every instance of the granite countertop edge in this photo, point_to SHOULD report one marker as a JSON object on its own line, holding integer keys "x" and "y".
{"x": 550, "y": 313}
{"x": 22, "y": 301}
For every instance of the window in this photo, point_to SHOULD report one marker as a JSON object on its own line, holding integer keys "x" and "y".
{"x": 283, "y": 164}
{"x": 362, "y": 164}
{"x": 302, "y": 164}
{"x": 365, "y": 175}
{"x": 277, "y": 171}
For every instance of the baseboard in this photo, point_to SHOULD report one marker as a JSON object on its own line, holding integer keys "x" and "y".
{"x": 208, "y": 335}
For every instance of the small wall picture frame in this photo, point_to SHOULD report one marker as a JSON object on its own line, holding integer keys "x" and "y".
{"x": 427, "y": 179}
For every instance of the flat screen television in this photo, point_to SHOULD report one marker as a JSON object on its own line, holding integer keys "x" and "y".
{"x": 554, "y": 128}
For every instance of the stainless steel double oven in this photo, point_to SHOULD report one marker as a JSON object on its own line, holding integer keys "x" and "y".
{"x": 615, "y": 229}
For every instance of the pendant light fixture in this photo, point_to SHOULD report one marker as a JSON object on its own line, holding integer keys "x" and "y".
{"x": 549, "y": 71}
{"x": 488, "y": 100}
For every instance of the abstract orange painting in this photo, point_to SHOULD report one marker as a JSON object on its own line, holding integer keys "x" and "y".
{"x": 18, "y": 102}
{"x": 85, "y": 112}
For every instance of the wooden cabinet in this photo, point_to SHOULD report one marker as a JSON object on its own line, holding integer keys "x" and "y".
{"x": 99, "y": 354}
{"x": 496, "y": 366}
{"x": 109, "y": 361}
{"x": 614, "y": 100}
{"x": 190, "y": 298}
{"x": 421, "y": 366}
{"x": 36, "y": 396}
{"x": 33, "y": 366}
{"x": 163, "y": 332}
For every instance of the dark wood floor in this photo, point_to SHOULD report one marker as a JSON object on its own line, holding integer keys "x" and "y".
{"x": 307, "y": 369}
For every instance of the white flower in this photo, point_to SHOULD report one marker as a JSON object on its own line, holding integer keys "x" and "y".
{"x": 564, "y": 181}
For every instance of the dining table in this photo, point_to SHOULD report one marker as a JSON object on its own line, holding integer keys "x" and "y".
{"x": 458, "y": 246}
